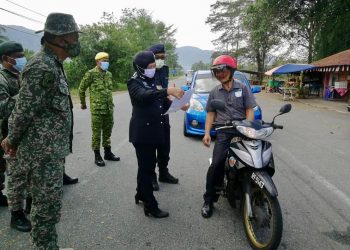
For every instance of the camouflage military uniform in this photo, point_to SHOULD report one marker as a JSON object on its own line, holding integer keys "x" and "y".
{"x": 101, "y": 105}
{"x": 17, "y": 181}
{"x": 40, "y": 126}
{"x": 9, "y": 87}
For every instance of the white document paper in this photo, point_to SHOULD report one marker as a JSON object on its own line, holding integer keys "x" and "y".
{"x": 177, "y": 104}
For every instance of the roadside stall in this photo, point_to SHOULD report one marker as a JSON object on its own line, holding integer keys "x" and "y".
{"x": 335, "y": 75}
{"x": 289, "y": 89}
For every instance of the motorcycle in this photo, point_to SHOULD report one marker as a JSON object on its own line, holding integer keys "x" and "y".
{"x": 249, "y": 167}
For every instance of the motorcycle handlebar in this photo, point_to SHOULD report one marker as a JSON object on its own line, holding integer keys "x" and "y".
{"x": 235, "y": 123}
{"x": 278, "y": 126}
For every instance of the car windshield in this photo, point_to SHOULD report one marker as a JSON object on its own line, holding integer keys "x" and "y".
{"x": 205, "y": 83}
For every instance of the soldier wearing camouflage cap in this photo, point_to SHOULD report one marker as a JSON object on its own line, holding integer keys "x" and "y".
{"x": 13, "y": 61}
{"x": 40, "y": 126}
{"x": 99, "y": 82}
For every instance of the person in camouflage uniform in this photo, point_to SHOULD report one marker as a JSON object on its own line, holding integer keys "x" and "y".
{"x": 99, "y": 82}
{"x": 40, "y": 126}
{"x": 13, "y": 60}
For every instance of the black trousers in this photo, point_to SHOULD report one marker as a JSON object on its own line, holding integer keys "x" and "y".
{"x": 216, "y": 171}
{"x": 163, "y": 151}
{"x": 146, "y": 159}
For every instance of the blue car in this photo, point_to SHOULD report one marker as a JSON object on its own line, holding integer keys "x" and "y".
{"x": 202, "y": 83}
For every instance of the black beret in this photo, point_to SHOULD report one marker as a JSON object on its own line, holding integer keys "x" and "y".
{"x": 142, "y": 59}
{"x": 157, "y": 48}
{"x": 9, "y": 47}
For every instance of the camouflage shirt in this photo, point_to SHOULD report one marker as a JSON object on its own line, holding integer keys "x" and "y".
{"x": 41, "y": 122}
{"x": 100, "y": 87}
{"x": 9, "y": 87}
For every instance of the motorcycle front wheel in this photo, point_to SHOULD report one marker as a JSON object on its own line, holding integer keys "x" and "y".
{"x": 264, "y": 229}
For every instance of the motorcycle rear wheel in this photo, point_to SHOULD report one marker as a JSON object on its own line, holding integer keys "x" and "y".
{"x": 264, "y": 230}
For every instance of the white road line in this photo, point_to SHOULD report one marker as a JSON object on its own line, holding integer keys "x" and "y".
{"x": 323, "y": 181}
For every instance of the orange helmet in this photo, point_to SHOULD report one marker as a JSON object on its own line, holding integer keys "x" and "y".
{"x": 224, "y": 61}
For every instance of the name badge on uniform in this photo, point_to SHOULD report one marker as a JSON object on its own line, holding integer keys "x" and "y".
{"x": 238, "y": 93}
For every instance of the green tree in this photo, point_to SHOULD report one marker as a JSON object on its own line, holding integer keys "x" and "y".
{"x": 259, "y": 21}
{"x": 226, "y": 18}
{"x": 28, "y": 53}
{"x": 302, "y": 21}
{"x": 334, "y": 35}
{"x": 200, "y": 66}
{"x": 122, "y": 38}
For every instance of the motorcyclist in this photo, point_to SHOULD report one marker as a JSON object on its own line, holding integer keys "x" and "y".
{"x": 239, "y": 102}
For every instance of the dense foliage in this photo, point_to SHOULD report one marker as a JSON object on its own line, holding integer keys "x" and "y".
{"x": 270, "y": 31}
{"x": 122, "y": 38}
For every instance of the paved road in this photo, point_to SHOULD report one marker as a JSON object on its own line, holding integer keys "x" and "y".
{"x": 312, "y": 159}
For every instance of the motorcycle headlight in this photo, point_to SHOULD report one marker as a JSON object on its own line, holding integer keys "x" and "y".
{"x": 253, "y": 133}
{"x": 196, "y": 105}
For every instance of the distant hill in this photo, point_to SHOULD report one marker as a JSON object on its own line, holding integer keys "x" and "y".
{"x": 25, "y": 36}
{"x": 189, "y": 55}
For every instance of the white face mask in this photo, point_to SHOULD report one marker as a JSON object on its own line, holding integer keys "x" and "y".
{"x": 159, "y": 63}
{"x": 149, "y": 72}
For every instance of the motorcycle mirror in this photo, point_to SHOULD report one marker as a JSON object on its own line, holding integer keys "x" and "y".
{"x": 217, "y": 104}
{"x": 285, "y": 108}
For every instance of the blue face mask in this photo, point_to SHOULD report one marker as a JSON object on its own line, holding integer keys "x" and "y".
{"x": 104, "y": 65}
{"x": 20, "y": 63}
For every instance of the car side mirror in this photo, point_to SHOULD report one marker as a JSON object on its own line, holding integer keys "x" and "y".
{"x": 185, "y": 87}
{"x": 256, "y": 89}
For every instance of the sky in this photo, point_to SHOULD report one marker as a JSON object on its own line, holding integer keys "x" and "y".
{"x": 187, "y": 16}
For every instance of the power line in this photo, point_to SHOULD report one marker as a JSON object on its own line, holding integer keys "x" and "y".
{"x": 14, "y": 13}
{"x": 19, "y": 30}
{"x": 26, "y": 8}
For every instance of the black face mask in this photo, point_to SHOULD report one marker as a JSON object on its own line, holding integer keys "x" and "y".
{"x": 72, "y": 49}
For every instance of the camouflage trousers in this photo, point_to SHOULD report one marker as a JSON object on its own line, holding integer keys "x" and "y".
{"x": 46, "y": 184}
{"x": 101, "y": 124}
{"x": 17, "y": 184}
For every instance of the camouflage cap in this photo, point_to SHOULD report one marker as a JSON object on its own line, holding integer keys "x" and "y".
{"x": 9, "y": 47}
{"x": 60, "y": 24}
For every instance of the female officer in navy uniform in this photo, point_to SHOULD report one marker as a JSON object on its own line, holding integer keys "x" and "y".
{"x": 146, "y": 126}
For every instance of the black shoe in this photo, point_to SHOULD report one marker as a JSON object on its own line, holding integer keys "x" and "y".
{"x": 28, "y": 205}
{"x": 168, "y": 178}
{"x": 138, "y": 198}
{"x": 98, "y": 159}
{"x": 67, "y": 180}
{"x": 155, "y": 184}
{"x": 3, "y": 200}
{"x": 20, "y": 222}
{"x": 109, "y": 156}
{"x": 156, "y": 213}
{"x": 207, "y": 210}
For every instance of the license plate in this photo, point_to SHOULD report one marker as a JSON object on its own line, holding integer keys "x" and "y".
{"x": 257, "y": 180}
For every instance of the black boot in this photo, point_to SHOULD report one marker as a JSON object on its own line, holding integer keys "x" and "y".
{"x": 156, "y": 212}
{"x": 28, "y": 207}
{"x": 3, "y": 200}
{"x": 67, "y": 180}
{"x": 20, "y": 222}
{"x": 109, "y": 156}
{"x": 98, "y": 159}
{"x": 165, "y": 176}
